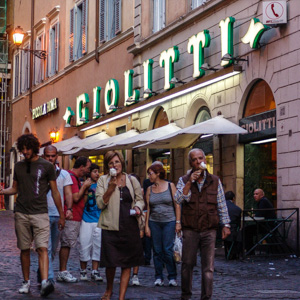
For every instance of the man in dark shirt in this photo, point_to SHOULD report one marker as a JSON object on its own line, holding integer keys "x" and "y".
{"x": 235, "y": 216}
{"x": 32, "y": 178}
{"x": 263, "y": 203}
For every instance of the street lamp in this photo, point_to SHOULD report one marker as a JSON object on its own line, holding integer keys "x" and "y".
{"x": 54, "y": 135}
{"x": 18, "y": 36}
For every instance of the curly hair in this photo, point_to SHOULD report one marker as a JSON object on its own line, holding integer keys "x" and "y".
{"x": 29, "y": 141}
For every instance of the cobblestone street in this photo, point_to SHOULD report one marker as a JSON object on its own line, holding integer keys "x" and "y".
{"x": 258, "y": 278}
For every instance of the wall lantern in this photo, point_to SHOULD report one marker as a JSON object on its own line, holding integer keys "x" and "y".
{"x": 54, "y": 135}
{"x": 18, "y": 36}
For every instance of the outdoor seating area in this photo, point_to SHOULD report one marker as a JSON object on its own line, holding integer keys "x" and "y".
{"x": 270, "y": 236}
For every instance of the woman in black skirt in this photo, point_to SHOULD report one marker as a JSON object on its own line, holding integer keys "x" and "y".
{"x": 121, "y": 201}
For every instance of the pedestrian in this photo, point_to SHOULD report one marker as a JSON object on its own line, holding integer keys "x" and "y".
{"x": 64, "y": 183}
{"x": 121, "y": 202}
{"x": 162, "y": 223}
{"x": 70, "y": 233}
{"x": 31, "y": 179}
{"x": 90, "y": 233}
{"x": 203, "y": 205}
{"x": 147, "y": 241}
{"x": 234, "y": 240}
{"x": 263, "y": 203}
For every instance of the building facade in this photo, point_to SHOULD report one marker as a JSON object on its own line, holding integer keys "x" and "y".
{"x": 117, "y": 65}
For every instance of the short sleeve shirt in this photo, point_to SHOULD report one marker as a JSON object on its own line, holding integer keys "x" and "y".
{"x": 91, "y": 211}
{"x": 79, "y": 206}
{"x": 33, "y": 182}
{"x": 62, "y": 180}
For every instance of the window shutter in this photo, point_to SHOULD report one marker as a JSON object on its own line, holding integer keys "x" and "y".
{"x": 56, "y": 46}
{"x": 71, "y": 38}
{"x": 42, "y": 62}
{"x": 21, "y": 70}
{"x": 117, "y": 17}
{"x": 27, "y": 68}
{"x": 35, "y": 64}
{"x": 162, "y": 14}
{"x": 48, "y": 53}
{"x": 84, "y": 25}
{"x": 102, "y": 21}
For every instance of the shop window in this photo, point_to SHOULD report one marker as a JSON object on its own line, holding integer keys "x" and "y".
{"x": 159, "y": 15}
{"x": 260, "y": 172}
{"x": 110, "y": 19}
{"x": 53, "y": 49}
{"x": 99, "y": 161}
{"x": 260, "y": 99}
{"x": 260, "y": 163}
{"x": 78, "y": 30}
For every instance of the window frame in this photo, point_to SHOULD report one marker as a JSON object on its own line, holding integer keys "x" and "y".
{"x": 110, "y": 13}
{"x": 53, "y": 48}
{"x": 159, "y": 15}
{"x": 78, "y": 35}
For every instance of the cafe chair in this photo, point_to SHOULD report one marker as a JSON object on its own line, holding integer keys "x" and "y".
{"x": 233, "y": 243}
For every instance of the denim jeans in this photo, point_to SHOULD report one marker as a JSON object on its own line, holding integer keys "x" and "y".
{"x": 147, "y": 246}
{"x": 53, "y": 243}
{"x": 163, "y": 234}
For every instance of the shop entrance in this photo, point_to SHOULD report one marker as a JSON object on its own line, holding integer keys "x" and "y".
{"x": 260, "y": 163}
{"x": 260, "y": 171}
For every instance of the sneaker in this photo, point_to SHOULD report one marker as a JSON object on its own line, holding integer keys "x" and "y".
{"x": 66, "y": 276}
{"x": 83, "y": 275}
{"x": 173, "y": 282}
{"x": 135, "y": 280}
{"x": 159, "y": 282}
{"x": 25, "y": 288}
{"x": 96, "y": 276}
{"x": 47, "y": 288}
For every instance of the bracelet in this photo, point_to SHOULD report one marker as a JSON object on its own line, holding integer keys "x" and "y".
{"x": 178, "y": 222}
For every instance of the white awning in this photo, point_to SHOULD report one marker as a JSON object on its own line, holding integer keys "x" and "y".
{"x": 143, "y": 137}
{"x": 95, "y": 146}
{"x": 85, "y": 143}
{"x": 75, "y": 140}
{"x": 187, "y": 136}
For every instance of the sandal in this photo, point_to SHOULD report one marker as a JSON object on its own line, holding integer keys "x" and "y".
{"x": 106, "y": 296}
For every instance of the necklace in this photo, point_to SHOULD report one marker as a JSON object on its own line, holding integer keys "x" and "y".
{"x": 121, "y": 193}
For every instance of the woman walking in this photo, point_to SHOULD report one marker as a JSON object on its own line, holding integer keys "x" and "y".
{"x": 120, "y": 200}
{"x": 162, "y": 221}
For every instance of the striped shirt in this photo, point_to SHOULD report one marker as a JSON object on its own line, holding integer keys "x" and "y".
{"x": 222, "y": 207}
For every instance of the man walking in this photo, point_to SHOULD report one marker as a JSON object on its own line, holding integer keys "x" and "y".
{"x": 71, "y": 231}
{"x": 64, "y": 183}
{"x": 32, "y": 176}
{"x": 203, "y": 205}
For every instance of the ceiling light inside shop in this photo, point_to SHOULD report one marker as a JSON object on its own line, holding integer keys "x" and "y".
{"x": 264, "y": 141}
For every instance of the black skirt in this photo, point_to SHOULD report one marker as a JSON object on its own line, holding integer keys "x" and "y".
{"x": 122, "y": 248}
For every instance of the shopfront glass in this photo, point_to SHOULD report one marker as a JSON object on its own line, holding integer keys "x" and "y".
{"x": 260, "y": 164}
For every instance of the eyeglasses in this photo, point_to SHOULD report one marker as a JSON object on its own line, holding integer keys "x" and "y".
{"x": 150, "y": 173}
{"x": 112, "y": 163}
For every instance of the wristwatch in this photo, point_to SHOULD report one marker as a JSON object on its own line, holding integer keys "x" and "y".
{"x": 227, "y": 225}
{"x": 71, "y": 209}
{"x": 178, "y": 222}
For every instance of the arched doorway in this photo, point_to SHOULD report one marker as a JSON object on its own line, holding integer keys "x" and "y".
{"x": 206, "y": 142}
{"x": 163, "y": 155}
{"x": 260, "y": 163}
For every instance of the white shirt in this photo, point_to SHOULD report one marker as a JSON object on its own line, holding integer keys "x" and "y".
{"x": 62, "y": 180}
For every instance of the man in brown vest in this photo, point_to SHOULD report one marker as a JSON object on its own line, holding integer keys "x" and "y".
{"x": 203, "y": 206}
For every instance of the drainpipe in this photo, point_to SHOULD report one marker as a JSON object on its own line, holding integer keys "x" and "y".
{"x": 31, "y": 57}
{"x": 97, "y": 33}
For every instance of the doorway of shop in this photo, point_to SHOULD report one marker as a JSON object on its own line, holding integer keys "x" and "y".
{"x": 260, "y": 172}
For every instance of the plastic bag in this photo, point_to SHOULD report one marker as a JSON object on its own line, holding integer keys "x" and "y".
{"x": 177, "y": 249}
